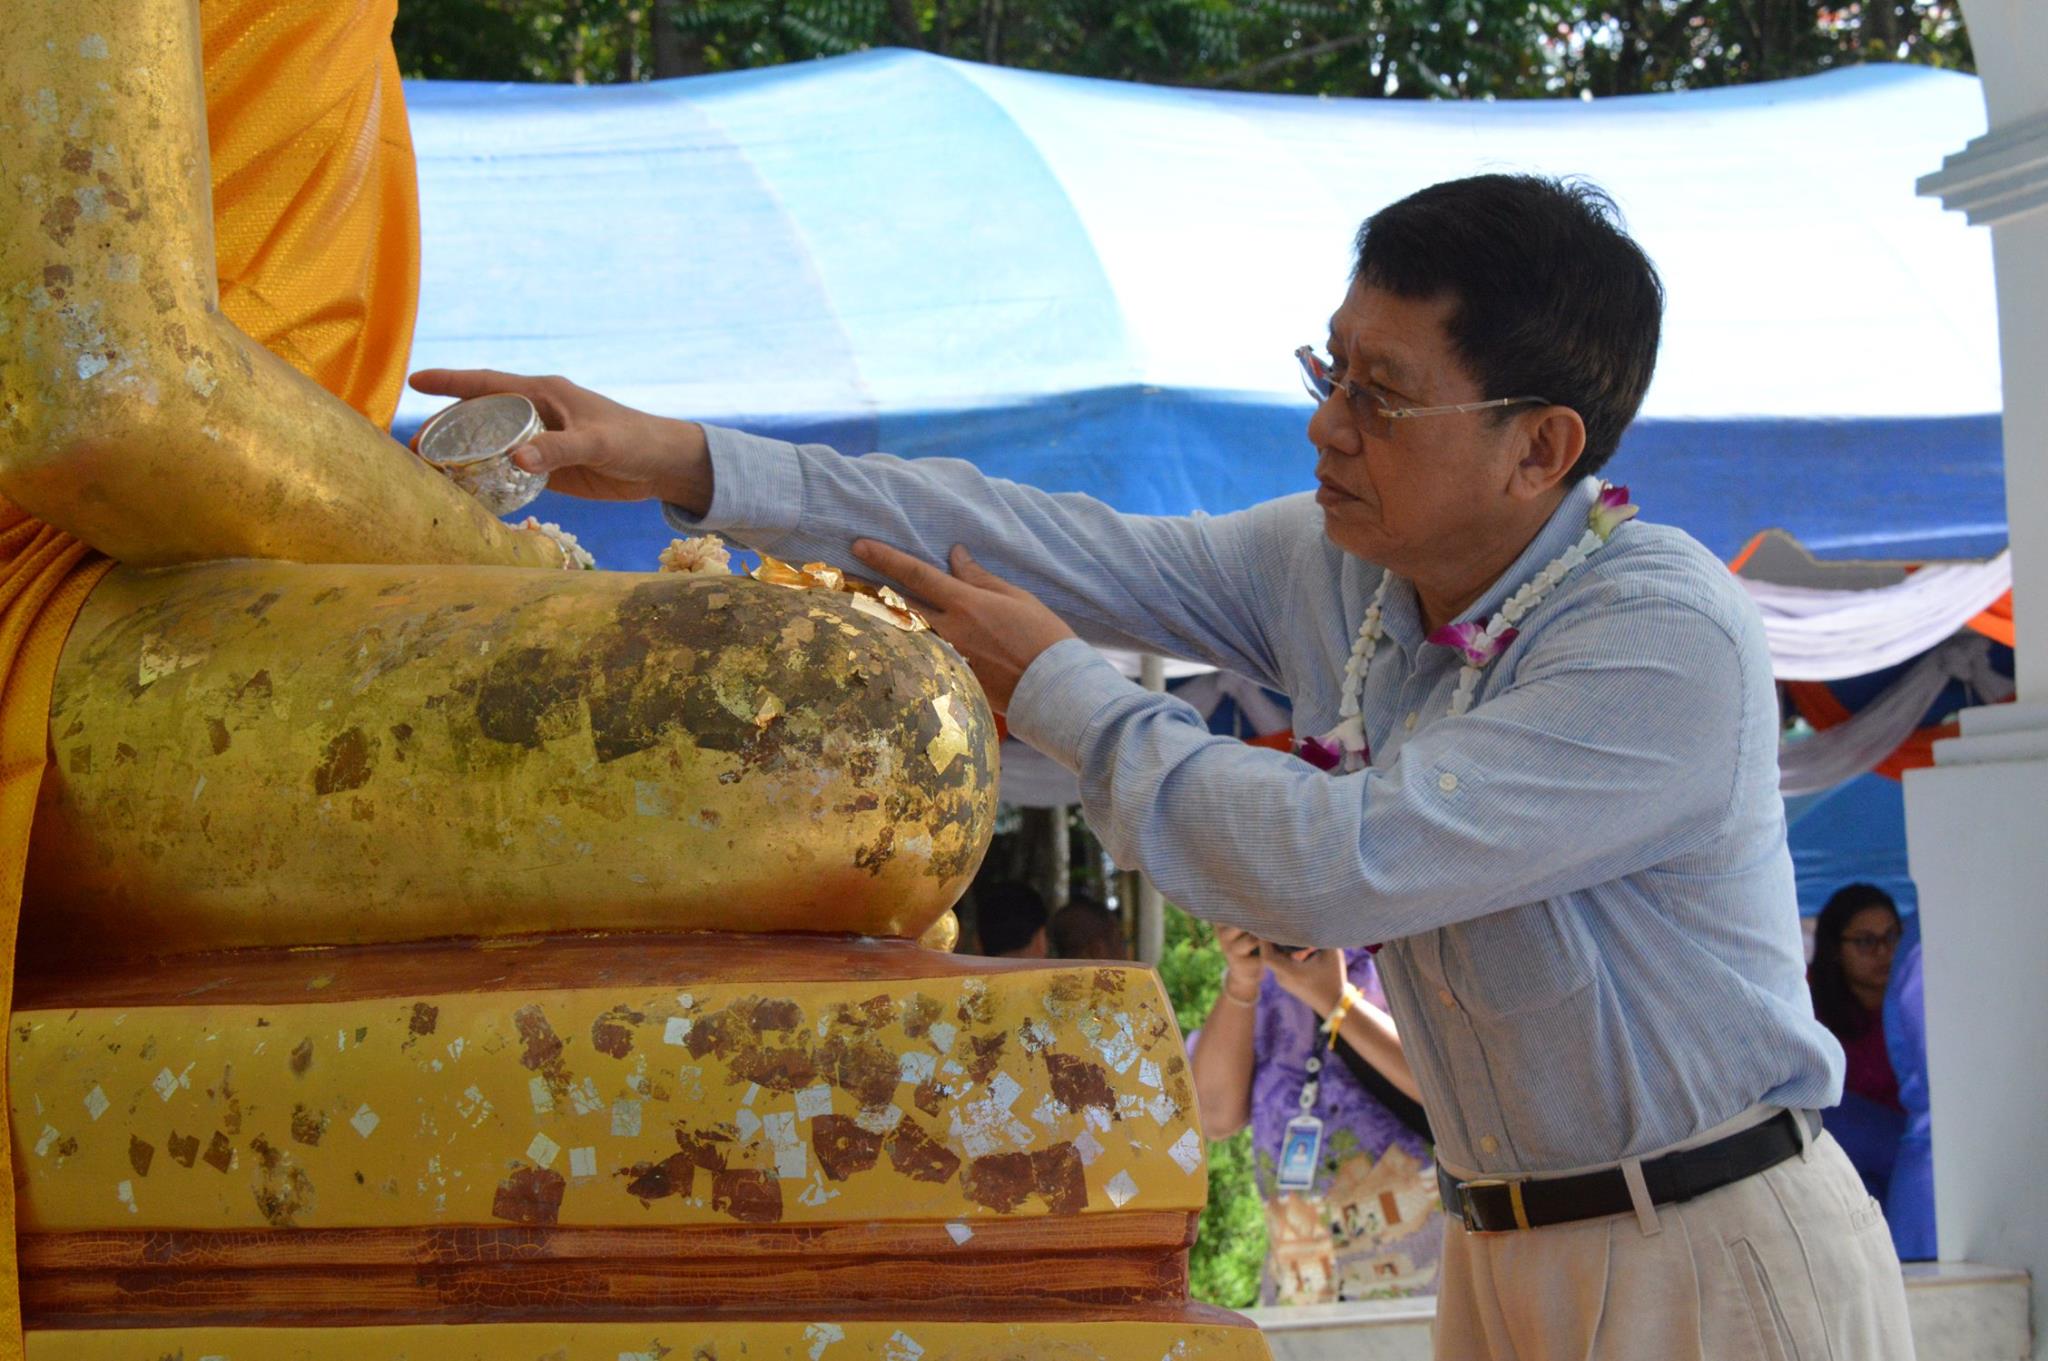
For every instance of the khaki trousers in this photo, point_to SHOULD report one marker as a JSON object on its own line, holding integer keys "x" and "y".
{"x": 1792, "y": 1264}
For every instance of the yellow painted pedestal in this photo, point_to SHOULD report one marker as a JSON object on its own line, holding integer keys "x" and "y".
{"x": 700, "y": 1140}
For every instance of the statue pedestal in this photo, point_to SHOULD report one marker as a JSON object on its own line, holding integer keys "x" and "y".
{"x": 695, "y": 1139}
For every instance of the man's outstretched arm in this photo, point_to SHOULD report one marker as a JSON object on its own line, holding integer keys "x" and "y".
{"x": 1188, "y": 587}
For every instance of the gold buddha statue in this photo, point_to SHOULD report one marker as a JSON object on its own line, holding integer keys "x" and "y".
{"x": 427, "y": 951}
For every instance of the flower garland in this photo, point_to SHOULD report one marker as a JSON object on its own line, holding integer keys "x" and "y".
{"x": 1344, "y": 748}
{"x": 575, "y": 557}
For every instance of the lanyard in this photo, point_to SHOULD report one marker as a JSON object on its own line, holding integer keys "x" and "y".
{"x": 1301, "y": 1144}
{"x": 1312, "y": 1085}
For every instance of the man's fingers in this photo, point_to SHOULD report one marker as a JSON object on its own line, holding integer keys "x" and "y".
{"x": 549, "y": 394}
{"x": 550, "y": 450}
{"x": 467, "y": 383}
{"x": 919, "y": 576}
{"x": 974, "y": 574}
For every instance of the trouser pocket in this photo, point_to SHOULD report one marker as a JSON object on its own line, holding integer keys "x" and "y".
{"x": 1774, "y": 1338}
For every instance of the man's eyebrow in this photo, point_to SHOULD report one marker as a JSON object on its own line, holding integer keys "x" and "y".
{"x": 1396, "y": 371}
{"x": 1398, "y": 374}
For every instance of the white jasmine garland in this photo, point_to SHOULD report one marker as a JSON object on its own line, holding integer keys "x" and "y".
{"x": 1344, "y": 748}
{"x": 575, "y": 557}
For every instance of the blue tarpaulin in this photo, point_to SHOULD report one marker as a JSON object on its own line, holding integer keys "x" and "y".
{"x": 1853, "y": 833}
{"x": 1095, "y": 286}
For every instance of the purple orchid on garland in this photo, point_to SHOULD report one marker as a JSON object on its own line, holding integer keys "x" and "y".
{"x": 1320, "y": 752}
{"x": 1473, "y": 642}
{"x": 1609, "y": 513}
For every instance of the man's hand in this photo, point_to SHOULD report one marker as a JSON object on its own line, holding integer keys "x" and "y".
{"x": 594, "y": 447}
{"x": 999, "y": 628}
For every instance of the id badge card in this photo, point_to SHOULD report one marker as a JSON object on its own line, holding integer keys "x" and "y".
{"x": 1301, "y": 1148}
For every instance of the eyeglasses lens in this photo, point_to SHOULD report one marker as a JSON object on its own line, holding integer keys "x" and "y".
{"x": 1314, "y": 376}
{"x": 1367, "y": 412}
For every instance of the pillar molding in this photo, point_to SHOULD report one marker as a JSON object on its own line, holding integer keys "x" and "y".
{"x": 1998, "y": 177}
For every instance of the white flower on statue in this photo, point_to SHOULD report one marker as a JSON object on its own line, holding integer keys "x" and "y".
{"x": 703, "y": 555}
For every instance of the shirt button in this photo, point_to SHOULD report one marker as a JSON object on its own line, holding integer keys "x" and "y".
{"x": 1489, "y": 1144}
{"x": 1444, "y": 995}
{"x": 1447, "y": 782}
{"x": 1409, "y": 722}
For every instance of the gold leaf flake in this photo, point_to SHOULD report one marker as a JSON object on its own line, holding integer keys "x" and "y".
{"x": 875, "y": 601}
{"x": 160, "y": 659}
{"x": 951, "y": 743}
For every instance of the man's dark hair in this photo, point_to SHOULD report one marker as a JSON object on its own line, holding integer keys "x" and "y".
{"x": 1006, "y": 916}
{"x": 1554, "y": 299}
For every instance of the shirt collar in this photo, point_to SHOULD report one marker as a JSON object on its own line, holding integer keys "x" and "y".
{"x": 1401, "y": 612}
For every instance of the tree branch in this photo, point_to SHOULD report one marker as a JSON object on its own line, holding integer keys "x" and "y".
{"x": 1260, "y": 68}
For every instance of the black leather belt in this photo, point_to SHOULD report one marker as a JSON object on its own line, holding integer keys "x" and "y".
{"x": 1495, "y": 1205}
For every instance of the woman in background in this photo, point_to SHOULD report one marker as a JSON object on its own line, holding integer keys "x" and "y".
{"x": 1346, "y": 1175}
{"x": 1853, "y": 945}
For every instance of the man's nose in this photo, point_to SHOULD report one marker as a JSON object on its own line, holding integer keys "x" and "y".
{"x": 1330, "y": 428}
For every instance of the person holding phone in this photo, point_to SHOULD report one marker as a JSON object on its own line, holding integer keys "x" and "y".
{"x": 1300, "y": 1048}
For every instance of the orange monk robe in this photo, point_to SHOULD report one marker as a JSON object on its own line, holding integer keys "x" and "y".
{"x": 316, "y": 216}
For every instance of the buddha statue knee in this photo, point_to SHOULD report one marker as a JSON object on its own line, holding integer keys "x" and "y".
{"x": 275, "y": 754}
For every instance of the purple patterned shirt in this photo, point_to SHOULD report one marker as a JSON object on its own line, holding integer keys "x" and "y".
{"x": 1370, "y": 1225}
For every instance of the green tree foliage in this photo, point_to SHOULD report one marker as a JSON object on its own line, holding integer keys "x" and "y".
{"x": 1457, "y": 49}
{"x": 1230, "y": 1244}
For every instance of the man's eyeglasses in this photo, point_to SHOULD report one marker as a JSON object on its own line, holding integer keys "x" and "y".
{"x": 1872, "y": 942}
{"x": 1372, "y": 413}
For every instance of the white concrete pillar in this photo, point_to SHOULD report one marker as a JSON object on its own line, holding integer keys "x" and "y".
{"x": 1977, "y": 823}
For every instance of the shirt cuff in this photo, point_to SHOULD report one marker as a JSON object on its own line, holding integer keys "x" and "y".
{"x": 1060, "y": 694}
{"x": 757, "y": 488}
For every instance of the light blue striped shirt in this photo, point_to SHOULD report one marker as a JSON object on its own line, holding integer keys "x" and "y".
{"x": 1592, "y": 941}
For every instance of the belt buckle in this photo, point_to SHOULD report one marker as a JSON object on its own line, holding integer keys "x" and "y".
{"x": 1470, "y": 1219}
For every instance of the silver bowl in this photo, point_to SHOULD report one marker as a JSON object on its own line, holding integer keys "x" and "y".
{"x": 472, "y": 442}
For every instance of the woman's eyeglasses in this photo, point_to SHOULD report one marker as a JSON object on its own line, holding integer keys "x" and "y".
{"x": 1872, "y": 942}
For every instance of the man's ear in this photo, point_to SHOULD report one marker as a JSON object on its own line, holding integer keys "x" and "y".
{"x": 1556, "y": 437}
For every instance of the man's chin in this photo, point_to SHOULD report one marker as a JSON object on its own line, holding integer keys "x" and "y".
{"x": 1346, "y": 531}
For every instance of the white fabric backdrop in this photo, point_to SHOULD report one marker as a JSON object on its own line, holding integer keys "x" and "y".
{"x": 1846, "y": 750}
{"x": 1832, "y": 635}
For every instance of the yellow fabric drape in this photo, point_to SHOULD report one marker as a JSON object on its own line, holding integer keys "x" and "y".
{"x": 315, "y": 194}
{"x": 45, "y": 575}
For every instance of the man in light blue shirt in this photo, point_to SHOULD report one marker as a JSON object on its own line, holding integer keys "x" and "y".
{"x": 1548, "y": 785}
